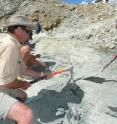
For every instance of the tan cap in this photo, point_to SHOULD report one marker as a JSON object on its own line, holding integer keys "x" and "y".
{"x": 20, "y": 20}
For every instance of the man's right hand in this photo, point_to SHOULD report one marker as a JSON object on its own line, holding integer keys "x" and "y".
{"x": 17, "y": 84}
{"x": 26, "y": 85}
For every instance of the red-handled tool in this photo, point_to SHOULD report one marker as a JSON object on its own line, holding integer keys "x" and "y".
{"x": 51, "y": 75}
{"x": 57, "y": 73}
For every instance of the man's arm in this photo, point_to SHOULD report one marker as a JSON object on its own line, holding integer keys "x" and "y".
{"x": 33, "y": 73}
{"x": 18, "y": 84}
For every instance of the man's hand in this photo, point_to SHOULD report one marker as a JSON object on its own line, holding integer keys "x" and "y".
{"x": 44, "y": 75}
{"x": 26, "y": 85}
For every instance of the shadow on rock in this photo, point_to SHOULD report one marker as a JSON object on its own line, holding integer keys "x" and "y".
{"x": 113, "y": 112}
{"x": 98, "y": 80}
{"x": 114, "y": 109}
{"x": 50, "y": 105}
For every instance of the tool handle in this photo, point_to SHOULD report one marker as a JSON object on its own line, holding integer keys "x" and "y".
{"x": 56, "y": 73}
{"x": 115, "y": 57}
{"x": 50, "y": 75}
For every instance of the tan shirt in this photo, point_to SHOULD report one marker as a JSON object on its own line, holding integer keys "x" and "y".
{"x": 11, "y": 62}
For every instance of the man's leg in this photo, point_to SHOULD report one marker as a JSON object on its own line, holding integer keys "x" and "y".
{"x": 20, "y": 113}
{"x": 21, "y": 95}
{"x": 12, "y": 109}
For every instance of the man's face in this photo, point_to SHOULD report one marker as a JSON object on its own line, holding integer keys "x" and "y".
{"x": 24, "y": 34}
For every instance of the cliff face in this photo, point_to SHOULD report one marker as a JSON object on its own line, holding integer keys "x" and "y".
{"x": 95, "y": 21}
{"x": 92, "y": 25}
{"x": 51, "y": 13}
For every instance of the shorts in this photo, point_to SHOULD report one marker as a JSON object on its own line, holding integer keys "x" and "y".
{"x": 7, "y": 100}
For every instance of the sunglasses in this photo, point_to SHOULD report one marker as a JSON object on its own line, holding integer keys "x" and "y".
{"x": 26, "y": 30}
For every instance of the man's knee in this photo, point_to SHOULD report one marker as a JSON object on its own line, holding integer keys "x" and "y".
{"x": 29, "y": 113}
{"x": 21, "y": 113}
{"x": 21, "y": 95}
{"x": 25, "y": 112}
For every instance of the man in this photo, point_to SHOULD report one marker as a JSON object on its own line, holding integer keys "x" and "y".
{"x": 28, "y": 58}
{"x": 11, "y": 66}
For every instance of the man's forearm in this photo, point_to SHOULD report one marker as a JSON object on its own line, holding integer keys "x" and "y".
{"x": 32, "y": 73}
{"x": 15, "y": 84}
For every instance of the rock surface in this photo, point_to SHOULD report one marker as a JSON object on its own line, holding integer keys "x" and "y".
{"x": 85, "y": 40}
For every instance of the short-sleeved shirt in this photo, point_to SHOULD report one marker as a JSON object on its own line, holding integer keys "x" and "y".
{"x": 11, "y": 62}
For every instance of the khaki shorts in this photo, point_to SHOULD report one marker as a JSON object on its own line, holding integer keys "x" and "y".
{"x": 7, "y": 100}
